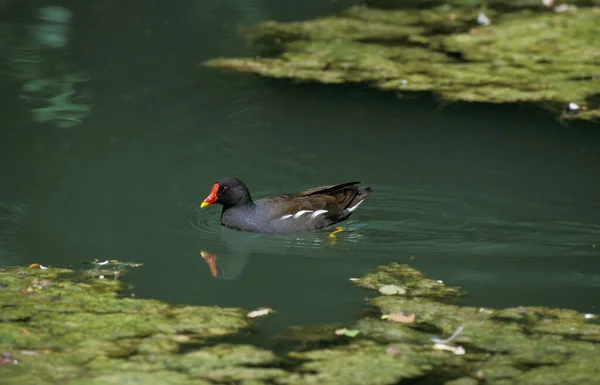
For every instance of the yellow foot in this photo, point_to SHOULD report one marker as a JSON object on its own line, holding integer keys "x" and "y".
{"x": 335, "y": 231}
{"x": 332, "y": 235}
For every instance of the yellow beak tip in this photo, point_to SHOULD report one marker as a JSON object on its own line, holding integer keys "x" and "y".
{"x": 203, "y": 205}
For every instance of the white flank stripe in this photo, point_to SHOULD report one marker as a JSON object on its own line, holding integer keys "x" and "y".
{"x": 355, "y": 206}
{"x": 316, "y": 213}
{"x": 286, "y": 216}
{"x": 301, "y": 212}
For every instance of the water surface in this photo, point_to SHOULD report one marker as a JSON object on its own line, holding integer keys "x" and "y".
{"x": 500, "y": 200}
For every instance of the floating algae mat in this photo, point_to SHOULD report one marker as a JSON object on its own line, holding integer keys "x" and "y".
{"x": 534, "y": 54}
{"x": 62, "y": 327}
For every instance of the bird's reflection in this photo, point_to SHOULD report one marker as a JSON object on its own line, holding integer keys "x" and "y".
{"x": 236, "y": 249}
{"x": 230, "y": 260}
{"x": 211, "y": 261}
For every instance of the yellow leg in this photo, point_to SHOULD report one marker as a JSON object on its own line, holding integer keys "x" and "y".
{"x": 332, "y": 235}
{"x": 335, "y": 231}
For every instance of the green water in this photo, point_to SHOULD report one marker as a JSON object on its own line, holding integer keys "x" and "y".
{"x": 500, "y": 200}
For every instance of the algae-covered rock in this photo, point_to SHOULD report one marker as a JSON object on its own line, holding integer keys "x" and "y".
{"x": 504, "y": 345}
{"x": 135, "y": 378}
{"x": 58, "y": 326}
{"x": 463, "y": 381}
{"x": 386, "y": 332}
{"x": 544, "y": 57}
{"x": 562, "y": 322}
{"x": 504, "y": 4}
{"x": 414, "y": 284}
{"x": 225, "y": 363}
{"x": 62, "y": 326}
{"x": 358, "y": 363}
{"x": 581, "y": 369}
{"x": 448, "y": 343}
{"x": 310, "y": 336}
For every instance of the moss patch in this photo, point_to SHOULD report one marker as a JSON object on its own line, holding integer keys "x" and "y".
{"x": 414, "y": 283}
{"x": 61, "y": 326}
{"x": 58, "y": 326}
{"x": 540, "y": 56}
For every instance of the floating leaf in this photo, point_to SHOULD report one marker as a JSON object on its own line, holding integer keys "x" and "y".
{"x": 400, "y": 317}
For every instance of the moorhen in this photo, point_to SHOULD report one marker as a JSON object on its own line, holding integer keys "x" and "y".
{"x": 303, "y": 211}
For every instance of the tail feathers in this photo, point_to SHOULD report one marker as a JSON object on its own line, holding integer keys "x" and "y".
{"x": 359, "y": 198}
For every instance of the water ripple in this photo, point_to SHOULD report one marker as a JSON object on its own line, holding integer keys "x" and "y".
{"x": 396, "y": 222}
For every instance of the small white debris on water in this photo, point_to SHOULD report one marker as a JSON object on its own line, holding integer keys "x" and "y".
{"x": 483, "y": 19}
{"x": 43, "y": 267}
{"x": 564, "y": 7}
{"x": 103, "y": 263}
{"x": 459, "y": 350}
{"x": 260, "y": 312}
{"x": 573, "y": 107}
{"x": 589, "y": 316}
{"x": 548, "y": 3}
{"x": 101, "y": 277}
{"x": 404, "y": 82}
{"x": 440, "y": 281}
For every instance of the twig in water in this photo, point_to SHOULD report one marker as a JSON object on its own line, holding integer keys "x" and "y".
{"x": 449, "y": 339}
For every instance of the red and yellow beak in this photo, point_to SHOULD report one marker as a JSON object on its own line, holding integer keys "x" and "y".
{"x": 212, "y": 197}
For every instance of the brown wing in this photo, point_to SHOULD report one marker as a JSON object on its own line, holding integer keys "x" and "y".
{"x": 334, "y": 199}
{"x": 322, "y": 190}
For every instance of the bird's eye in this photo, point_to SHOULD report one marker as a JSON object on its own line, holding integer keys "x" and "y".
{"x": 225, "y": 188}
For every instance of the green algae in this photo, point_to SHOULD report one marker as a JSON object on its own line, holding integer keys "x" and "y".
{"x": 77, "y": 329}
{"x": 541, "y": 57}
{"x": 73, "y": 327}
{"x": 309, "y": 337}
{"x": 501, "y": 4}
{"x": 414, "y": 283}
{"x": 359, "y": 363}
{"x": 523, "y": 345}
{"x": 135, "y": 377}
{"x": 229, "y": 363}
{"x": 529, "y": 345}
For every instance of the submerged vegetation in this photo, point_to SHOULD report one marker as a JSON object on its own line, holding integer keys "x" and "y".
{"x": 59, "y": 326}
{"x": 525, "y": 51}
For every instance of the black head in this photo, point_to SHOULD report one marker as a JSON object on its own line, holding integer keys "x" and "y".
{"x": 229, "y": 192}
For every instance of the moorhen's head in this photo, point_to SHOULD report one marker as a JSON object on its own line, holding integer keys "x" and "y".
{"x": 229, "y": 192}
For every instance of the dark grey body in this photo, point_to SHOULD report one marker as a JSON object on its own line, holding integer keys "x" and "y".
{"x": 262, "y": 217}
{"x": 303, "y": 211}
